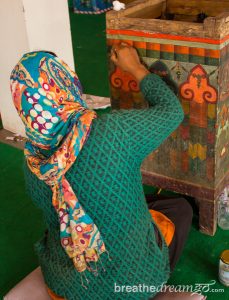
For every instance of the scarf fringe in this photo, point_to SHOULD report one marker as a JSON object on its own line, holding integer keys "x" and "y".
{"x": 94, "y": 271}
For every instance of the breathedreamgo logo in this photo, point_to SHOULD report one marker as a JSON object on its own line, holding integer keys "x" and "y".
{"x": 196, "y": 289}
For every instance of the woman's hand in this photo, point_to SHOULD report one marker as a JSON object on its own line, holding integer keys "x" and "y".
{"x": 126, "y": 58}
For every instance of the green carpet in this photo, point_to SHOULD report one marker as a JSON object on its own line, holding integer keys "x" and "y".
{"x": 21, "y": 223}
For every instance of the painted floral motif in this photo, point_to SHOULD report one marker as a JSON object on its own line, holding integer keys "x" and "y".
{"x": 197, "y": 87}
{"x": 197, "y": 150}
{"x": 47, "y": 96}
{"x": 124, "y": 81}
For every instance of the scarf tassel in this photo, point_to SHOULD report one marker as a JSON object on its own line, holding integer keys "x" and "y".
{"x": 94, "y": 271}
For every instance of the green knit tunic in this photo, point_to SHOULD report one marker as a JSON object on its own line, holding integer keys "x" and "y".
{"x": 107, "y": 181}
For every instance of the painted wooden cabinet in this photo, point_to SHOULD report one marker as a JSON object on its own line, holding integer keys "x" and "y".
{"x": 187, "y": 44}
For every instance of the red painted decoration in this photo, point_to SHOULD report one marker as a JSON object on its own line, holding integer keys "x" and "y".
{"x": 124, "y": 81}
{"x": 197, "y": 87}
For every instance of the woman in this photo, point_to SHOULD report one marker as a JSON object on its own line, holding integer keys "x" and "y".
{"x": 92, "y": 6}
{"x": 83, "y": 171}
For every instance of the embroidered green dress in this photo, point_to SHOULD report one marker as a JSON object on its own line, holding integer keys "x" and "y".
{"x": 106, "y": 177}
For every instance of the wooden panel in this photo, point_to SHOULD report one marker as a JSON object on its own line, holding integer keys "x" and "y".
{"x": 185, "y": 18}
{"x": 184, "y": 187}
{"x": 212, "y": 27}
{"x": 194, "y": 7}
{"x": 132, "y": 8}
{"x": 153, "y": 12}
{"x": 208, "y": 216}
{"x": 127, "y": 1}
{"x": 156, "y": 25}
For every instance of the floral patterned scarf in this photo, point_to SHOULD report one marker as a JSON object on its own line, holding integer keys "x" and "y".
{"x": 47, "y": 96}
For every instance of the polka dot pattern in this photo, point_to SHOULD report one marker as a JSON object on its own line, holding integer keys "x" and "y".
{"x": 49, "y": 102}
{"x": 42, "y": 119}
{"x": 38, "y": 107}
{"x": 54, "y": 120}
{"x": 46, "y": 114}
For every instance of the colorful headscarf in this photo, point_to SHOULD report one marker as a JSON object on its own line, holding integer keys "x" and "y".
{"x": 47, "y": 96}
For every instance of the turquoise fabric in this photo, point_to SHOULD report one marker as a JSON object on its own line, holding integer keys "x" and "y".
{"x": 49, "y": 101}
{"x": 108, "y": 183}
{"x": 30, "y": 97}
{"x": 92, "y": 6}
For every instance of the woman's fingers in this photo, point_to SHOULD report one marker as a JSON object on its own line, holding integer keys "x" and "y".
{"x": 114, "y": 57}
{"x": 117, "y": 48}
{"x": 125, "y": 44}
{"x": 126, "y": 58}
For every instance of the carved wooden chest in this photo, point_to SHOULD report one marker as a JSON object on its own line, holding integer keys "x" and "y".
{"x": 187, "y": 44}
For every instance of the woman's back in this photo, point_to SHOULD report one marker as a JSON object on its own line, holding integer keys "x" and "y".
{"x": 106, "y": 178}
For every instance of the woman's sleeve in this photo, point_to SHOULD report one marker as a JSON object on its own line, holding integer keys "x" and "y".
{"x": 147, "y": 128}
